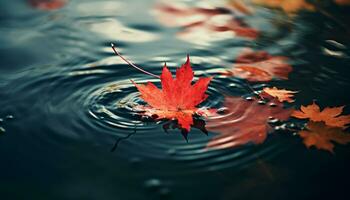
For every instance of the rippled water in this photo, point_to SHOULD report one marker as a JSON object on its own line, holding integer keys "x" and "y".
{"x": 70, "y": 131}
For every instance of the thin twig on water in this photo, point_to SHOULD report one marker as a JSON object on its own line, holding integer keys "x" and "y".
{"x": 132, "y": 64}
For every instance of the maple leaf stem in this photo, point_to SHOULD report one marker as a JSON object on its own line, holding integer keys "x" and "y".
{"x": 132, "y": 64}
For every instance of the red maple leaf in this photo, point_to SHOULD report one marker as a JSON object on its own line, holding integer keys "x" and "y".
{"x": 260, "y": 66}
{"x": 244, "y": 121}
{"x": 178, "y": 98}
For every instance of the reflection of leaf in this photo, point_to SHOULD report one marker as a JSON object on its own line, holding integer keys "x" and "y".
{"x": 245, "y": 121}
{"x": 208, "y": 31}
{"x": 331, "y": 116}
{"x": 174, "y": 16}
{"x": 202, "y": 25}
{"x": 260, "y": 66}
{"x": 47, "y": 4}
{"x": 281, "y": 94}
{"x": 178, "y": 98}
{"x": 288, "y": 6}
{"x": 235, "y": 26}
{"x": 320, "y": 135}
{"x": 197, "y": 123}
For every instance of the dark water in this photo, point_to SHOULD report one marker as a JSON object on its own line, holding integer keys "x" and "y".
{"x": 69, "y": 130}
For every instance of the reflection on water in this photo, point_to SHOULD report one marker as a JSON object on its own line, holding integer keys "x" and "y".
{"x": 114, "y": 30}
{"x": 204, "y": 24}
{"x": 75, "y": 134}
{"x": 106, "y": 8}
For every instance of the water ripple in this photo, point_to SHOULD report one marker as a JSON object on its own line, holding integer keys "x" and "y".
{"x": 78, "y": 91}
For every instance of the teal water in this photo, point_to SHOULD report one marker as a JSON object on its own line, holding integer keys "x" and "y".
{"x": 69, "y": 130}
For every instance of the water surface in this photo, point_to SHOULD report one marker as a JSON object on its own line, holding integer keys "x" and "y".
{"x": 70, "y": 131}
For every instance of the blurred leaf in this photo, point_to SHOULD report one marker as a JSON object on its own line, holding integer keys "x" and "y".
{"x": 201, "y": 25}
{"x": 260, "y": 66}
{"x": 47, "y": 4}
{"x": 342, "y": 2}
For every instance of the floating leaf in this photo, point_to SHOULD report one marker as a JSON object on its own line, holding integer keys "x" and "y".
{"x": 331, "y": 116}
{"x": 321, "y": 136}
{"x": 244, "y": 121}
{"x": 178, "y": 98}
{"x": 281, "y": 94}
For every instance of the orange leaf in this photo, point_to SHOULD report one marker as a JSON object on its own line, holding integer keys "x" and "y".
{"x": 260, "y": 66}
{"x": 320, "y": 135}
{"x": 178, "y": 98}
{"x": 245, "y": 121}
{"x": 281, "y": 94}
{"x": 331, "y": 116}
